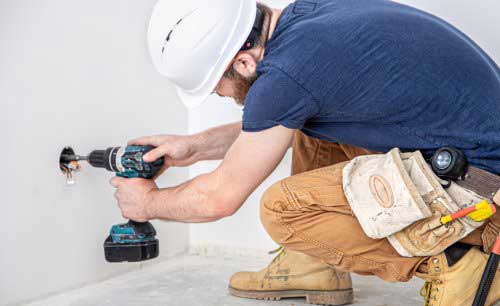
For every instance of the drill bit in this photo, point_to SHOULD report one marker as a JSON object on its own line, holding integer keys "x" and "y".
{"x": 68, "y": 158}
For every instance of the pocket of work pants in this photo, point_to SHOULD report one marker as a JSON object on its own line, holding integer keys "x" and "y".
{"x": 398, "y": 196}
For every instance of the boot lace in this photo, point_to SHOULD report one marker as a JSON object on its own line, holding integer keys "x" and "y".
{"x": 281, "y": 251}
{"x": 429, "y": 292}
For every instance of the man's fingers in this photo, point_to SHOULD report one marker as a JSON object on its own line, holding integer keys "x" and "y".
{"x": 142, "y": 141}
{"x": 116, "y": 181}
{"x": 154, "y": 154}
{"x": 145, "y": 141}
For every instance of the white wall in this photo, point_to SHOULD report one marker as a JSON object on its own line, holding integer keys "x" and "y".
{"x": 478, "y": 19}
{"x": 72, "y": 73}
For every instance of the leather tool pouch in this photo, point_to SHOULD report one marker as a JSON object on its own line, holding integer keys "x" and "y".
{"x": 397, "y": 196}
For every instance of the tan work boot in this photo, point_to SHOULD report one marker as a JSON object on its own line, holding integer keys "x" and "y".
{"x": 457, "y": 285}
{"x": 293, "y": 274}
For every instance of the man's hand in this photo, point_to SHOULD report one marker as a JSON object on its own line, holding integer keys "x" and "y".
{"x": 183, "y": 151}
{"x": 178, "y": 151}
{"x": 135, "y": 198}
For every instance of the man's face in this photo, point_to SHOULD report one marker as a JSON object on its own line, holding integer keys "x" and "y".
{"x": 235, "y": 86}
{"x": 237, "y": 81}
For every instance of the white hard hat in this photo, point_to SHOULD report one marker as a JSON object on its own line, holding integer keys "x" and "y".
{"x": 192, "y": 42}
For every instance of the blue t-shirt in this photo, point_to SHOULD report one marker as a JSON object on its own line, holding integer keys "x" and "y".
{"x": 378, "y": 75}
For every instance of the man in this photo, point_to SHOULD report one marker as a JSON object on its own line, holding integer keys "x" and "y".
{"x": 337, "y": 79}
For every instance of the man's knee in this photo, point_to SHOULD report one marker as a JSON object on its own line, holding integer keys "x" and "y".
{"x": 273, "y": 203}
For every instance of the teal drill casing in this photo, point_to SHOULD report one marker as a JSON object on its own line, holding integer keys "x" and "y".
{"x": 130, "y": 163}
{"x": 132, "y": 241}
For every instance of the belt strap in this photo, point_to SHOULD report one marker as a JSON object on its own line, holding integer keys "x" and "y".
{"x": 482, "y": 182}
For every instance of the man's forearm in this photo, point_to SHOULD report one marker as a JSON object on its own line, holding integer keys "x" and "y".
{"x": 214, "y": 143}
{"x": 190, "y": 202}
{"x": 221, "y": 193}
{"x": 212, "y": 196}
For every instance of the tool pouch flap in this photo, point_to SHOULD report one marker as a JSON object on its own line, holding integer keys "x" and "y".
{"x": 382, "y": 194}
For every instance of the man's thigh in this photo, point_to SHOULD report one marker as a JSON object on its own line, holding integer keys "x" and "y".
{"x": 309, "y": 213}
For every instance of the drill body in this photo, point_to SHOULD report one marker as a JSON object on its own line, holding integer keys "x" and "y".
{"x": 126, "y": 161}
{"x": 132, "y": 241}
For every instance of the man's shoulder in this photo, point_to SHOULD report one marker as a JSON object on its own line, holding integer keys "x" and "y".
{"x": 309, "y": 27}
{"x": 273, "y": 76}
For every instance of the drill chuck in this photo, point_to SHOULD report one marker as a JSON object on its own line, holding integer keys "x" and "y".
{"x": 96, "y": 158}
{"x": 105, "y": 159}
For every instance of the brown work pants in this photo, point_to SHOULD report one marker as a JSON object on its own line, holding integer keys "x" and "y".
{"x": 309, "y": 213}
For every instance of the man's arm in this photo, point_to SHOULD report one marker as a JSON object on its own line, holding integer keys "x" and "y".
{"x": 211, "y": 196}
{"x": 181, "y": 151}
{"x": 215, "y": 142}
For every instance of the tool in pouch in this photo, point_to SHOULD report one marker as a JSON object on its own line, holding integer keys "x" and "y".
{"x": 450, "y": 163}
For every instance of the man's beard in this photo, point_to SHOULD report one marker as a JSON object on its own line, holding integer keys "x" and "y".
{"x": 241, "y": 84}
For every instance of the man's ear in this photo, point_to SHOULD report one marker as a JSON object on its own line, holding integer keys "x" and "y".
{"x": 245, "y": 64}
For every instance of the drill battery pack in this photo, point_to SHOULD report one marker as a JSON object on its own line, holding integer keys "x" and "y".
{"x": 130, "y": 252}
{"x": 131, "y": 242}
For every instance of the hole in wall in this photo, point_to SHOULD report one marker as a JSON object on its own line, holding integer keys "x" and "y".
{"x": 67, "y": 165}
{"x": 63, "y": 161}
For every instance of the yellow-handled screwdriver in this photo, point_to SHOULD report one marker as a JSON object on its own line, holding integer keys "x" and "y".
{"x": 478, "y": 213}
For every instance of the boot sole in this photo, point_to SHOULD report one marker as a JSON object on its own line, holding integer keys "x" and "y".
{"x": 318, "y": 297}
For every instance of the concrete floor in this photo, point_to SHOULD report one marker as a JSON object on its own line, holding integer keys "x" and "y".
{"x": 199, "y": 280}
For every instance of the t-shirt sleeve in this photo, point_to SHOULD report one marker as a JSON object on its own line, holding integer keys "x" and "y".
{"x": 277, "y": 99}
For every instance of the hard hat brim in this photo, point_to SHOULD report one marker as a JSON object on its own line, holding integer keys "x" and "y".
{"x": 192, "y": 100}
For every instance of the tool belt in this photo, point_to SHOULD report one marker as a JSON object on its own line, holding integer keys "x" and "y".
{"x": 397, "y": 196}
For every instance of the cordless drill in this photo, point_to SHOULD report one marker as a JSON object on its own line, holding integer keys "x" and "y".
{"x": 132, "y": 241}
